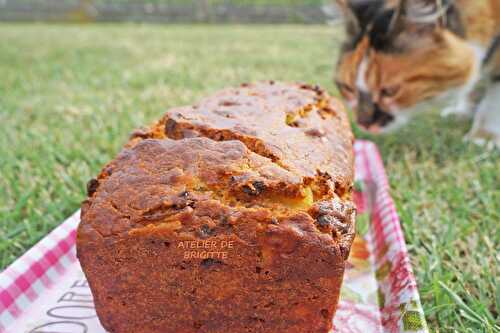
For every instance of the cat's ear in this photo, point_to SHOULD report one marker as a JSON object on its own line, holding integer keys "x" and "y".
{"x": 421, "y": 14}
{"x": 352, "y": 24}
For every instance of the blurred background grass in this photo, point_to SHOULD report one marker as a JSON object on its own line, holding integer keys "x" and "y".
{"x": 69, "y": 95}
{"x": 170, "y": 11}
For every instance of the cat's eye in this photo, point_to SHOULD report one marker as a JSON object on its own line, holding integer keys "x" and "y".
{"x": 390, "y": 91}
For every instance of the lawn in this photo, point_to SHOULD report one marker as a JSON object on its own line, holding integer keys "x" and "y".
{"x": 69, "y": 96}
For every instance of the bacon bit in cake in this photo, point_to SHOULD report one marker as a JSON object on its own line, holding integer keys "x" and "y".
{"x": 170, "y": 126}
{"x": 92, "y": 186}
{"x": 324, "y": 220}
{"x": 228, "y": 103}
{"x": 206, "y": 263}
{"x": 206, "y": 231}
{"x": 315, "y": 132}
{"x": 256, "y": 188}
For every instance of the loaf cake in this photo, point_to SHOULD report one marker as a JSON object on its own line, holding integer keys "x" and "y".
{"x": 231, "y": 215}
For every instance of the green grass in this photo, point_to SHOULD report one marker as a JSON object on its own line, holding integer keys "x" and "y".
{"x": 69, "y": 95}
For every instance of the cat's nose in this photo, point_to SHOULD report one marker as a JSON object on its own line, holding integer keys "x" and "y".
{"x": 366, "y": 109}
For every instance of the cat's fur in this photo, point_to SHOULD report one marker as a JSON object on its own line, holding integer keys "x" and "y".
{"x": 401, "y": 53}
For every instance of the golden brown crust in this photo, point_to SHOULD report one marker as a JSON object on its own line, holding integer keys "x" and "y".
{"x": 298, "y": 126}
{"x": 219, "y": 234}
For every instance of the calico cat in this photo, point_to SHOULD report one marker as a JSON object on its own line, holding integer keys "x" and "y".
{"x": 401, "y": 53}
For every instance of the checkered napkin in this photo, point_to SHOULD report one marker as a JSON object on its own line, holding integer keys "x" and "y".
{"x": 38, "y": 277}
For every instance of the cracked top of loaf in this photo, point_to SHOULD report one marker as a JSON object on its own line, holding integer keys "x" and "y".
{"x": 298, "y": 127}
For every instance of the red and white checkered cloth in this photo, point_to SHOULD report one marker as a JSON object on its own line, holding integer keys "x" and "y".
{"x": 38, "y": 269}
{"x": 45, "y": 264}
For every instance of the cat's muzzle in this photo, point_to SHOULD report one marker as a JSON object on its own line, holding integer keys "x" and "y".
{"x": 370, "y": 116}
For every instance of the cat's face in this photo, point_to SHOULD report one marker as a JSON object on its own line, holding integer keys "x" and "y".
{"x": 390, "y": 64}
